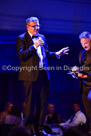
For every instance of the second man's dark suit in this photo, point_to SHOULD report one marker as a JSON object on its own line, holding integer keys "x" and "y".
{"x": 85, "y": 84}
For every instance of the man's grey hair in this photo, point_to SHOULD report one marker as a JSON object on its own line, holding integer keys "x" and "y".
{"x": 85, "y": 35}
{"x": 32, "y": 19}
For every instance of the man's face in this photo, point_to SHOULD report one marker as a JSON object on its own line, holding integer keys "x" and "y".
{"x": 86, "y": 43}
{"x": 32, "y": 27}
{"x": 51, "y": 108}
{"x": 9, "y": 107}
{"x": 76, "y": 107}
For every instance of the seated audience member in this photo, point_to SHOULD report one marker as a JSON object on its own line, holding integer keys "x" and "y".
{"x": 7, "y": 111}
{"x": 20, "y": 131}
{"x": 13, "y": 118}
{"x": 52, "y": 117}
{"x": 77, "y": 120}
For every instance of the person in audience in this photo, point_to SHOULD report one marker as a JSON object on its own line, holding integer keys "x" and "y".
{"x": 8, "y": 107}
{"x": 13, "y": 118}
{"x": 52, "y": 117}
{"x": 77, "y": 120}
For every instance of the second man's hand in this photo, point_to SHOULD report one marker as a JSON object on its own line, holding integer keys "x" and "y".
{"x": 80, "y": 75}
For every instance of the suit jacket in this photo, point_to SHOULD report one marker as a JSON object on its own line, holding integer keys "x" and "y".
{"x": 85, "y": 61}
{"x": 29, "y": 59}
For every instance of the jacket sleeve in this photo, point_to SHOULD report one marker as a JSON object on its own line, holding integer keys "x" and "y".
{"x": 23, "y": 52}
{"x": 51, "y": 55}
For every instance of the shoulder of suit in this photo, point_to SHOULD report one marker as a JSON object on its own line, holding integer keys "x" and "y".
{"x": 81, "y": 52}
{"x": 81, "y": 113}
{"x": 41, "y": 35}
{"x": 22, "y": 35}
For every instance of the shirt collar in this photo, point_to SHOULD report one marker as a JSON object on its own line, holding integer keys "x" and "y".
{"x": 30, "y": 34}
{"x": 36, "y": 35}
{"x": 78, "y": 112}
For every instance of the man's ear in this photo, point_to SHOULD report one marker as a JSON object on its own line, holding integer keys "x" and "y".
{"x": 90, "y": 43}
{"x": 27, "y": 26}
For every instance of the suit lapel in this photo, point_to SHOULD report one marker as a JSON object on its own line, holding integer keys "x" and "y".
{"x": 81, "y": 56}
{"x": 45, "y": 45}
{"x": 29, "y": 40}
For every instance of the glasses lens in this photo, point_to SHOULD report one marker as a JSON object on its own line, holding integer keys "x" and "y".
{"x": 35, "y": 26}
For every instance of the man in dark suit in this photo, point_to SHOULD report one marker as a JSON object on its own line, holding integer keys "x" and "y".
{"x": 85, "y": 72}
{"x": 33, "y": 52}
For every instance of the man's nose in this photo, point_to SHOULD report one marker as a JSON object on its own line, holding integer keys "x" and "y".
{"x": 83, "y": 44}
{"x": 35, "y": 27}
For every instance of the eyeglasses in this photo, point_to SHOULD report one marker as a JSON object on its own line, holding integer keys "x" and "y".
{"x": 35, "y": 26}
{"x": 85, "y": 43}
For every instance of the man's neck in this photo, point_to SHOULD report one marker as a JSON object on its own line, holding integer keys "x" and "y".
{"x": 77, "y": 111}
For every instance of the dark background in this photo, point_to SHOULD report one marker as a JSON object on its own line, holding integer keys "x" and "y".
{"x": 61, "y": 22}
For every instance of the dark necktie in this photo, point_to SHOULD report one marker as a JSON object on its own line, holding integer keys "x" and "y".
{"x": 71, "y": 118}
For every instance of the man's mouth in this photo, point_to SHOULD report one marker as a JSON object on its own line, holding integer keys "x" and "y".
{"x": 85, "y": 47}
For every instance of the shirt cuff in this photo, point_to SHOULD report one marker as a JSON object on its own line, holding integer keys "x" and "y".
{"x": 58, "y": 57}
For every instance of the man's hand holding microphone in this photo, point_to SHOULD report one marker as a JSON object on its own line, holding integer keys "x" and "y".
{"x": 38, "y": 42}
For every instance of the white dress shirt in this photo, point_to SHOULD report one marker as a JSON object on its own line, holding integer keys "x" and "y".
{"x": 41, "y": 53}
{"x": 78, "y": 119}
